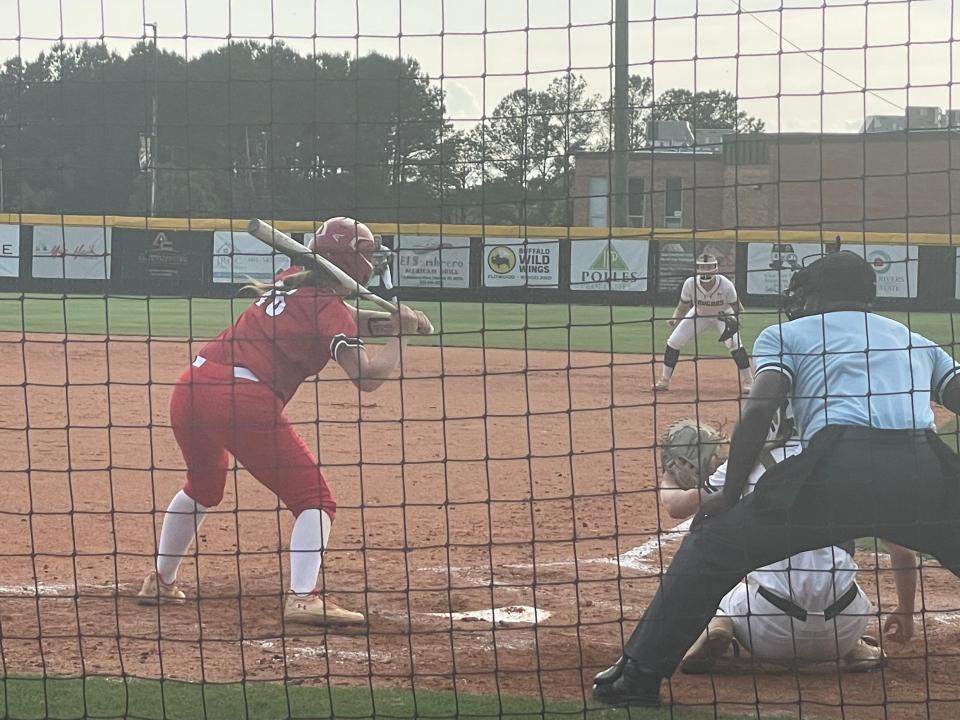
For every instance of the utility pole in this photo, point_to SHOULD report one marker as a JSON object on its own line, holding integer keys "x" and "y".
{"x": 621, "y": 112}
{"x": 153, "y": 122}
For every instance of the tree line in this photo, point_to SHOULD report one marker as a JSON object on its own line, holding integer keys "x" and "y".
{"x": 259, "y": 129}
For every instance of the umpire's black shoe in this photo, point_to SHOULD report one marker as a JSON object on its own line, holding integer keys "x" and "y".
{"x": 625, "y": 684}
{"x": 605, "y": 677}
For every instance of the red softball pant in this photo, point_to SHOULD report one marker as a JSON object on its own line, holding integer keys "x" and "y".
{"x": 213, "y": 413}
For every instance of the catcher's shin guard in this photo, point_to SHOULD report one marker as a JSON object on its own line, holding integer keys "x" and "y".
{"x": 712, "y": 644}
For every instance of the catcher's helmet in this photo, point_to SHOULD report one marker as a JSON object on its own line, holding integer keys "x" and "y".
{"x": 348, "y": 244}
{"x": 840, "y": 276}
{"x": 707, "y": 266}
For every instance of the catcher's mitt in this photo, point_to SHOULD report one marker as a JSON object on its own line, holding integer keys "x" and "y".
{"x": 686, "y": 450}
{"x": 732, "y": 326}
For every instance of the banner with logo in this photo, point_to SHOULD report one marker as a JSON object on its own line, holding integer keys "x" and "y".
{"x": 9, "y": 250}
{"x": 676, "y": 260}
{"x": 619, "y": 264}
{"x": 770, "y": 266}
{"x": 432, "y": 261}
{"x": 239, "y": 257}
{"x": 514, "y": 262}
{"x": 73, "y": 253}
{"x": 162, "y": 257}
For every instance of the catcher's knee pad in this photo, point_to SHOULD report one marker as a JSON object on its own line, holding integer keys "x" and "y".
{"x": 670, "y": 356}
{"x": 741, "y": 358}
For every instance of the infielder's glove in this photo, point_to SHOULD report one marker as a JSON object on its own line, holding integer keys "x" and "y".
{"x": 732, "y": 326}
{"x": 686, "y": 450}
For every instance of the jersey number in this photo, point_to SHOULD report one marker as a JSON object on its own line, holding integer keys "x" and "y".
{"x": 275, "y": 301}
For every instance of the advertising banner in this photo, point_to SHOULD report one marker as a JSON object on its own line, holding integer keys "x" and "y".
{"x": 770, "y": 266}
{"x": 432, "y": 261}
{"x": 239, "y": 257}
{"x": 513, "y": 262}
{"x": 676, "y": 260}
{"x": 73, "y": 253}
{"x": 9, "y": 250}
{"x": 620, "y": 264}
{"x": 162, "y": 257}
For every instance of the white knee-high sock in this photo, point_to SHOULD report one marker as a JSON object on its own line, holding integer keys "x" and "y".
{"x": 308, "y": 540}
{"x": 180, "y": 525}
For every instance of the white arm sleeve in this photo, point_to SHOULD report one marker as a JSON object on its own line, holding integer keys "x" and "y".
{"x": 688, "y": 291}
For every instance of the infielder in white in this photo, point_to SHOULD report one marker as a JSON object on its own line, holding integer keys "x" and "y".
{"x": 707, "y": 302}
{"x": 807, "y": 608}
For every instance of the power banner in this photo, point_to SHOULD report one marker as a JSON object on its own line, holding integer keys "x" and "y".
{"x": 617, "y": 264}
{"x": 239, "y": 257}
{"x": 676, "y": 260}
{"x": 72, "y": 253}
{"x": 9, "y": 250}
{"x": 432, "y": 261}
{"x": 770, "y": 266}
{"x": 514, "y": 262}
{"x": 162, "y": 257}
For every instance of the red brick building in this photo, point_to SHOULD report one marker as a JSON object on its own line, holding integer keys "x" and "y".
{"x": 904, "y": 181}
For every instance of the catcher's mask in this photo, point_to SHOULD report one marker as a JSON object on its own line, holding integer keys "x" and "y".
{"x": 707, "y": 267}
{"x": 687, "y": 449}
{"x": 839, "y": 277}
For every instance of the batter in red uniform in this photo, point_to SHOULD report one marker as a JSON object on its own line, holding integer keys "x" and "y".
{"x": 231, "y": 400}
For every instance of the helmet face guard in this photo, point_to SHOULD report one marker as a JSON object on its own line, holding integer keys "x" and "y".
{"x": 707, "y": 267}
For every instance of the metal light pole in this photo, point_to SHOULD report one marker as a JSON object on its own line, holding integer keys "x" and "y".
{"x": 621, "y": 111}
{"x": 153, "y": 122}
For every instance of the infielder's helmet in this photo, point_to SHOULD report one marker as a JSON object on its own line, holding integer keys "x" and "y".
{"x": 840, "y": 276}
{"x": 707, "y": 266}
{"x": 348, "y": 244}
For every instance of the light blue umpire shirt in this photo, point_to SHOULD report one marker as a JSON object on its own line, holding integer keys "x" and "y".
{"x": 855, "y": 368}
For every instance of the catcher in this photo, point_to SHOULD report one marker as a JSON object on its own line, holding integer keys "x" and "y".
{"x": 707, "y": 302}
{"x": 231, "y": 399}
{"x": 807, "y": 608}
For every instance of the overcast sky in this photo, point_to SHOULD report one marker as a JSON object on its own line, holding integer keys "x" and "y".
{"x": 774, "y": 54}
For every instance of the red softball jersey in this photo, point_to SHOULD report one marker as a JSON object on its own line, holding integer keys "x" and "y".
{"x": 286, "y": 336}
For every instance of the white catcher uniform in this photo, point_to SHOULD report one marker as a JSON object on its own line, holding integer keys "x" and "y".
{"x": 814, "y": 581}
{"x": 708, "y": 306}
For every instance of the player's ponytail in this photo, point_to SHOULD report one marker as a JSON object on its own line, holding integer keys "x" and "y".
{"x": 302, "y": 278}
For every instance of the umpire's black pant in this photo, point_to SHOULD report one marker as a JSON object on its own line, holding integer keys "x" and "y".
{"x": 902, "y": 485}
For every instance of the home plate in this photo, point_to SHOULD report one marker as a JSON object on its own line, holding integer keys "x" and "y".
{"x": 510, "y": 615}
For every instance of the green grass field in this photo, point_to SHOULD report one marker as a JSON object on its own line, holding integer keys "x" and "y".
{"x": 34, "y": 698}
{"x": 500, "y": 325}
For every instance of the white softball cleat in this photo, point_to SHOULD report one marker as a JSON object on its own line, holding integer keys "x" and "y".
{"x": 312, "y": 609}
{"x": 155, "y": 591}
{"x": 661, "y": 386}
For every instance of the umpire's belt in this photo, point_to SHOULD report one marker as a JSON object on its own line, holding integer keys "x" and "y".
{"x": 859, "y": 432}
{"x": 790, "y": 608}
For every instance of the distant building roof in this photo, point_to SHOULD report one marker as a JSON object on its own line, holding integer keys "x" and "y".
{"x": 669, "y": 133}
